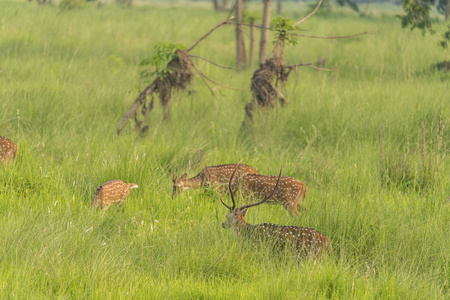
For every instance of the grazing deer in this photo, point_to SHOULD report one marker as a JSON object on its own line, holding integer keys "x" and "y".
{"x": 112, "y": 192}
{"x": 213, "y": 175}
{"x": 8, "y": 150}
{"x": 290, "y": 193}
{"x": 303, "y": 241}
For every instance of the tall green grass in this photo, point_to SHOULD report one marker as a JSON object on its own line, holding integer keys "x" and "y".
{"x": 67, "y": 77}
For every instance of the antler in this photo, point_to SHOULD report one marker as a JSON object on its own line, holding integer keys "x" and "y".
{"x": 209, "y": 174}
{"x": 266, "y": 198}
{"x": 231, "y": 190}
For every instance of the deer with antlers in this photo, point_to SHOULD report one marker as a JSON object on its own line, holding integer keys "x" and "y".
{"x": 214, "y": 175}
{"x": 290, "y": 193}
{"x": 303, "y": 241}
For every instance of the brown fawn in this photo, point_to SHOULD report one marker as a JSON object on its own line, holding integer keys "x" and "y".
{"x": 290, "y": 193}
{"x": 214, "y": 175}
{"x": 303, "y": 241}
{"x": 112, "y": 192}
{"x": 8, "y": 150}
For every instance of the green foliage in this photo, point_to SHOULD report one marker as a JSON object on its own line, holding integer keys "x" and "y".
{"x": 445, "y": 38}
{"x": 350, "y": 3}
{"x": 442, "y": 6}
{"x": 249, "y": 16}
{"x": 284, "y": 30}
{"x": 163, "y": 53}
{"x": 417, "y": 15}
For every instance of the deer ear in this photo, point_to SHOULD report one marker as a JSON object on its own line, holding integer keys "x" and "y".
{"x": 183, "y": 177}
{"x": 244, "y": 212}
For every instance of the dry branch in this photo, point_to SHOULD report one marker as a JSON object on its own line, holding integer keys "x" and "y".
{"x": 214, "y": 63}
{"x": 308, "y": 65}
{"x": 272, "y": 72}
{"x": 138, "y": 102}
{"x": 215, "y": 82}
{"x": 308, "y": 16}
{"x": 332, "y": 37}
{"x": 209, "y": 32}
{"x": 202, "y": 76}
{"x": 179, "y": 76}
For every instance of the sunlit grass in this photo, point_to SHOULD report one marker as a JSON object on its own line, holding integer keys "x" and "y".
{"x": 68, "y": 77}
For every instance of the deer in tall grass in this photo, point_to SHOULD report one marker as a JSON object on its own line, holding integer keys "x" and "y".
{"x": 210, "y": 176}
{"x": 8, "y": 150}
{"x": 303, "y": 241}
{"x": 112, "y": 192}
{"x": 290, "y": 193}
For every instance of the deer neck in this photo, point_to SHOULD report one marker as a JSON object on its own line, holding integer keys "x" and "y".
{"x": 194, "y": 182}
{"x": 242, "y": 226}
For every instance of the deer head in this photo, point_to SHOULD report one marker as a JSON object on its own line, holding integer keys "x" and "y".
{"x": 235, "y": 218}
{"x": 179, "y": 185}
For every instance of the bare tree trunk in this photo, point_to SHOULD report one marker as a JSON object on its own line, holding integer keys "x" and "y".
{"x": 240, "y": 43}
{"x": 265, "y": 33}
{"x": 252, "y": 43}
{"x": 447, "y": 13}
{"x": 279, "y": 7}
{"x": 216, "y": 5}
{"x": 224, "y": 4}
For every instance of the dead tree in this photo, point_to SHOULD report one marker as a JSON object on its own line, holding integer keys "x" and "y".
{"x": 216, "y": 5}
{"x": 252, "y": 42}
{"x": 177, "y": 76}
{"x": 265, "y": 32}
{"x": 272, "y": 74}
{"x": 241, "y": 59}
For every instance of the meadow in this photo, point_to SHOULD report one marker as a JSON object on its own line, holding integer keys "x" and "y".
{"x": 371, "y": 140}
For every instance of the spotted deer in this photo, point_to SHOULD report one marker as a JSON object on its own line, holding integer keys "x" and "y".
{"x": 290, "y": 193}
{"x": 8, "y": 150}
{"x": 112, "y": 192}
{"x": 214, "y": 175}
{"x": 303, "y": 241}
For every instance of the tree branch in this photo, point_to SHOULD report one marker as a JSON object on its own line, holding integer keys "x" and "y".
{"x": 249, "y": 25}
{"x": 278, "y": 91}
{"x": 215, "y": 82}
{"x": 332, "y": 37}
{"x": 206, "y": 83}
{"x": 298, "y": 65}
{"x": 138, "y": 102}
{"x": 210, "y": 61}
{"x": 322, "y": 69}
{"x": 308, "y": 16}
{"x": 209, "y": 32}
{"x": 240, "y": 29}
{"x": 308, "y": 65}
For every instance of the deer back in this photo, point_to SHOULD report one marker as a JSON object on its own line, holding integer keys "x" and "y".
{"x": 111, "y": 192}
{"x": 290, "y": 192}
{"x": 304, "y": 241}
{"x": 221, "y": 174}
{"x": 8, "y": 149}
{"x": 212, "y": 175}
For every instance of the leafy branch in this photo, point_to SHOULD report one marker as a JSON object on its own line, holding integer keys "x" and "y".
{"x": 163, "y": 53}
{"x": 284, "y": 31}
